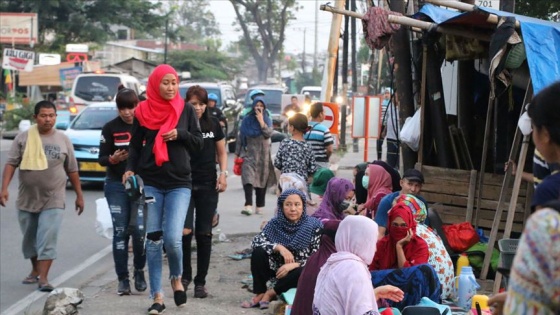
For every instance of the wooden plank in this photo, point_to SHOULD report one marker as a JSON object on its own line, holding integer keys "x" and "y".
{"x": 529, "y": 193}
{"x": 471, "y": 192}
{"x": 444, "y": 172}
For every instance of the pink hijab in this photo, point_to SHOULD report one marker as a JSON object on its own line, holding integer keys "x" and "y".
{"x": 379, "y": 182}
{"x": 344, "y": 282}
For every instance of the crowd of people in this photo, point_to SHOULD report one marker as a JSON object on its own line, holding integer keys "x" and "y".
{"x": 348, "y": 246}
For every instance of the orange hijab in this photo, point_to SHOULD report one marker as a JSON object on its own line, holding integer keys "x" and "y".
{"x": 159, "y": 114}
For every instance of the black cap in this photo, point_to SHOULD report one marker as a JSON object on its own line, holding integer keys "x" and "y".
{"x": 414, "y": 175}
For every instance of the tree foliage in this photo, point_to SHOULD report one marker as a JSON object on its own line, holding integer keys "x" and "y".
{"x": 263, "y": 23}
{"x": 75, "y": 21}
{"x": 190, "y": 21}
{"x": 542, "y": 9}
{"x": 204, "y": 65}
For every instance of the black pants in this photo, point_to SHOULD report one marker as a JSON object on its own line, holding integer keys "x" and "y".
{"x": 261, "y": 271}
{"x": 204, "y": 200}
{"x": 259, "y": 192}
{"x": 393, "y": 153}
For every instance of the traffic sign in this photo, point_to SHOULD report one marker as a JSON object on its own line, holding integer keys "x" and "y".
{"x": 331, "y": 117}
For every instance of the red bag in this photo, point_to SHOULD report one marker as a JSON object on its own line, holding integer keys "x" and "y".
{"x": 237, "y": 164}
{"x": 460, "y": 236}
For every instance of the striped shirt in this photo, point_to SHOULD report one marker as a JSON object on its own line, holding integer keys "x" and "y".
{"x": 541, "y": 168}
{"x": 319, "y": 137}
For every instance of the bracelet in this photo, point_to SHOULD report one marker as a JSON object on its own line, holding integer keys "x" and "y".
{"x": 223, "y": 172}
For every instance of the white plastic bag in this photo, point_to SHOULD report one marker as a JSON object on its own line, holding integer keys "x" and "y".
{"x": 103, "y": 220}
{"x": 410, "y": 132}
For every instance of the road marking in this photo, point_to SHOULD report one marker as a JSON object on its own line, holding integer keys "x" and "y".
{"x": 22, "y": 304}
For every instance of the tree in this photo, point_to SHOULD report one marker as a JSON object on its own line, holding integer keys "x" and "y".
{"x": 263, "y": 23}
{"x": 191, "y": 21}
{"x": 204, "y": 65}
{"x": 72, "y": 21}
{"x": 542, "y": 9}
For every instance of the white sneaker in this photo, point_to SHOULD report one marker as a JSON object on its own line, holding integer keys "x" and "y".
{"x": 248, "y": 210}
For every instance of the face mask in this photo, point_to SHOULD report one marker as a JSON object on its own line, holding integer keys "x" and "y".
{"x": 343, "y": 205}
{"x": 397, "y": 233}
{"x": 365, "y": 181}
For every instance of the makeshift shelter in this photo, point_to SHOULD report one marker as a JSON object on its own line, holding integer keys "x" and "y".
{"x": 471, "y": 193}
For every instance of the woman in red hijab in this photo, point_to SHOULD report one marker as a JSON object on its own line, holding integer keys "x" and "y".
{"x": 402, "y": 260}
{"x": 164, "y": 130}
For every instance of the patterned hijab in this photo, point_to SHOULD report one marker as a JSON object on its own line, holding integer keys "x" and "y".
{"x": 294, "y": 236}
{"x": 416, "y": 206}
{"x": 337, "y": 188}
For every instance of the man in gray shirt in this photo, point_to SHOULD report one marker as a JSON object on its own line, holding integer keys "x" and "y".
{"x": 45, "y": 157}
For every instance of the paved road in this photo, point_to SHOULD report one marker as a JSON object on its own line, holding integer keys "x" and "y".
{"x": 78, "y": 241}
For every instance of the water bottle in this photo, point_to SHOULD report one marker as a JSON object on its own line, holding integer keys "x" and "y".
{"x": 466, "y": 289}
{"x": 461, "y": 262}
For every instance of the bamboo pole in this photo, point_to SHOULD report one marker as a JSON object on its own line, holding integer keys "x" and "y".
{"x": 423, "y": 102}
{"x": 333, "y": 48}
{"x": 492, "y": 18}
{"x": 415, "y": 24}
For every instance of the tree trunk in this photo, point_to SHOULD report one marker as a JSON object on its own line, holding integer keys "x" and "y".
{"x": 262, "y": 67}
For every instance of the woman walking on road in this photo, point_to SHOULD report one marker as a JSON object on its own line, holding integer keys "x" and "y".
{"x": 206, "y": 187}
{"x": 164, "y": 132}
{"x": 253, "y": 146}
{"x": 113, "y": 153}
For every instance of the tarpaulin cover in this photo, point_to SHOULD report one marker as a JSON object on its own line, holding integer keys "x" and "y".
{"x": 541, "y": 38}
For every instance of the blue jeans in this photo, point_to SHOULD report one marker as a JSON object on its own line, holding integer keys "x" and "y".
{"x": 121, "y": 208}
{"x": 166, "y": 218}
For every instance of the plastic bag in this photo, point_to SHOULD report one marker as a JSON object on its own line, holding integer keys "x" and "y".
{"x": 410, "y": 132}
{"x": 460, "y": 236}
{"x": 103, "y": 219}
{"x": 237, "y": 165}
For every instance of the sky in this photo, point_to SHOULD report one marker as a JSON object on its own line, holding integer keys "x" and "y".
{"x": 304, "y": 23}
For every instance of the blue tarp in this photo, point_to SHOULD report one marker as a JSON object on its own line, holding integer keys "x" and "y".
{"x": 541, "y": 39}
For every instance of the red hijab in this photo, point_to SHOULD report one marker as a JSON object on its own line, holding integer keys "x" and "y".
{"x": 159, "y": 114}
{"x": 379, "y": 183}
{"x": 416, "y": 251}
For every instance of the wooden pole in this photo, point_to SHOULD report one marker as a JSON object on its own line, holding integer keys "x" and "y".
{"x": 507, "y": 179}
{"x": 423, "y": 102}
{"x": 333, "y": 48}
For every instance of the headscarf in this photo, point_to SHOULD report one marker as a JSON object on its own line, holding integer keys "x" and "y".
{"x": 294, "y": 236}
{"x": 344, "y": 283}
{"x": 306, "y": 285}
{"x": 320, "y": 180}
{"x": 416, "y": 206}
{"x": 416, "y": 248}
{"x": 395, "y": 176}
{"x": 337, "y": 188}
{"x": 361, "y": 192}
{"x": 379, "y": 183}
{"x": 250, "y": 126}
{"x": 159, "y": 114}
{"x": 293, "y": 181}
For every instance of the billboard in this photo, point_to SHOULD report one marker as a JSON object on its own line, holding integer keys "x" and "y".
{"x": 67, "y": 76}
{"x": 18, "y": 28}
{"x": 21, "y": 60}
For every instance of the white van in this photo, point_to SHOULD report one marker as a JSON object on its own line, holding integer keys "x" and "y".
{"x": 314, "y": 92}
{"x": 98, "y": 87}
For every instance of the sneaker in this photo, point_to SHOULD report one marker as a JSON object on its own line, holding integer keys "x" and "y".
{"x": 259, "y": 210}
{"x": 200, "y": 291}
{"x": 247, "y": 210}
{"x": 124, "y": 287}
{"x": 156, "y": 309}
{"x": 140, "y": 281}
{"x": 185, "y": 283}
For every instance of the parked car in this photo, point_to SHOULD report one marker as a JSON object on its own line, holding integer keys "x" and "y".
{"x": 84, "y": 132}
{"x": 226, "y": 102}
{"x": 100, "y": 86}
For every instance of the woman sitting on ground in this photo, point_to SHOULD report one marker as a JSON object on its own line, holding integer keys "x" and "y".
{"x": 378, "y": 183}
{"x": 344, "y": 283}
{"x": 319, "y": 186}
{"x": 439, "y": 257}
{"x": 404, "y": 260}
{"x": 336, "y": 200}
{"x": 281, "y": 250}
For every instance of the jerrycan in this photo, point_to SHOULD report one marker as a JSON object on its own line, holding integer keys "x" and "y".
{"x": 466, "y": 288}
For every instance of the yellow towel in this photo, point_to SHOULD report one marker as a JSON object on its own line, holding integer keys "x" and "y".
{"x": 34, "y": 158}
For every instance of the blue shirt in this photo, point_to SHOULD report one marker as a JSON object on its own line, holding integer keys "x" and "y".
{"x": 381, "y": 216}
{"x": 548, "y": 190}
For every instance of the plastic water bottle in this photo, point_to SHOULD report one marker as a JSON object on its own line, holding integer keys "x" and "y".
{"x": 467, "y": 288}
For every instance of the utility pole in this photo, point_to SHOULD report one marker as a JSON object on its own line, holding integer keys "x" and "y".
{"x": 334, "y": 39}
{"x": 345, "y": 79}
{"x": 316, "y": 48}
{"x": 353, "y": 39}
{"x": 403, "y": 82}
{"x": 303, "y": 56}
{"x": 165, "y": 43}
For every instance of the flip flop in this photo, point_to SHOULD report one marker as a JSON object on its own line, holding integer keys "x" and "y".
{"x": 263, "y": 305}
{"x": 45, "y": 287}
{"x": 250, "y": 304}
{"x": 30, "y": 279}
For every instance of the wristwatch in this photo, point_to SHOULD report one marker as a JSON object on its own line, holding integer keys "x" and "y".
{"x": 223, "y": 172}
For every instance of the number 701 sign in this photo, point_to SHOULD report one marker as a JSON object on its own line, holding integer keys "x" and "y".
{"x": 493, "y": 4}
